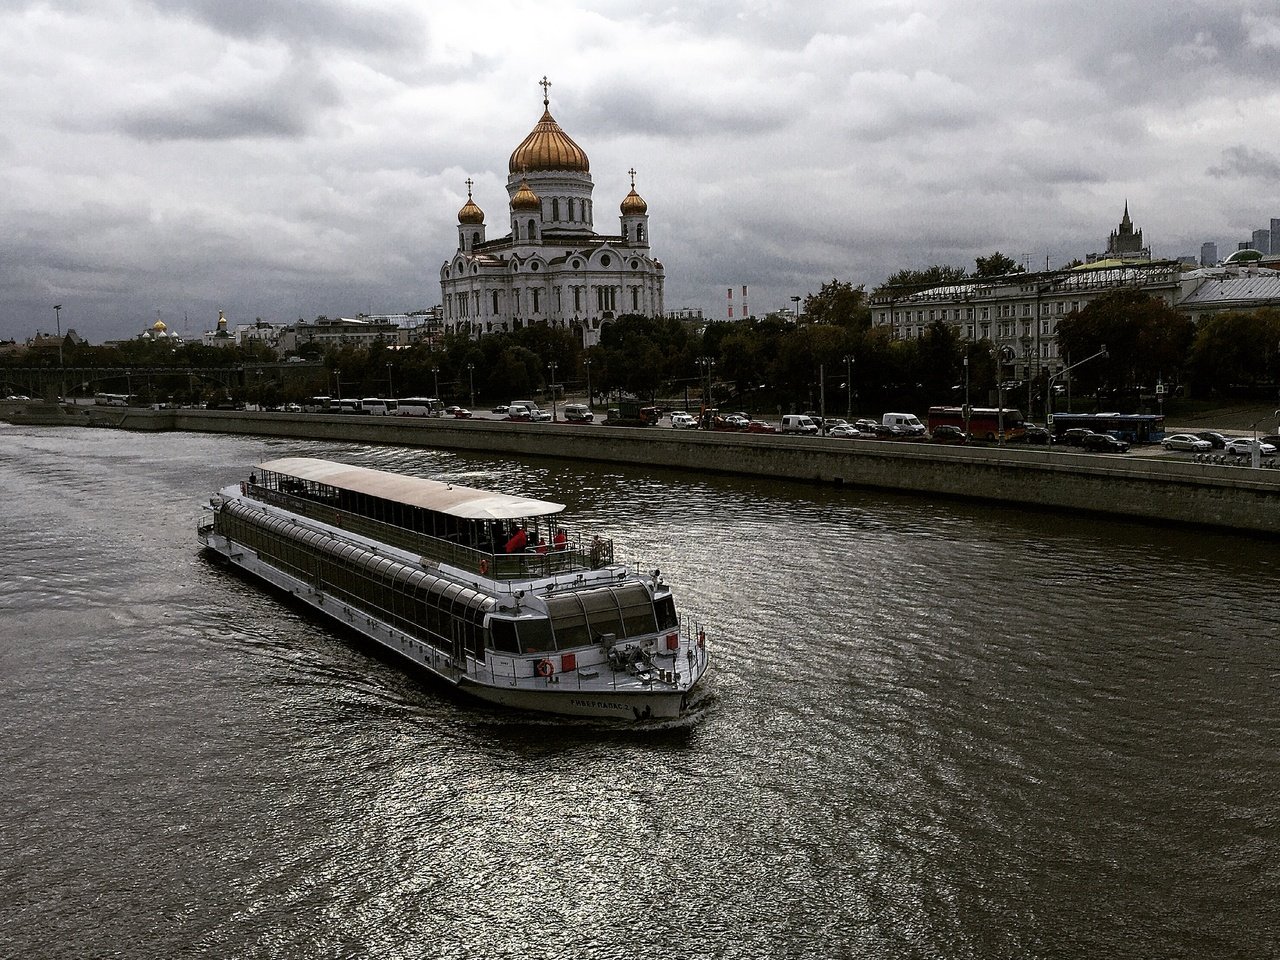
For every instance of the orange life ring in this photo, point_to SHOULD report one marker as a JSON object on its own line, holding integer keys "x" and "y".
{"x": 484, "y": 568}
{"x": 544, "y": 668}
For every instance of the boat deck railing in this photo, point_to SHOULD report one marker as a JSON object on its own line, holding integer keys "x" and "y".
{"x": 575, "y": 555}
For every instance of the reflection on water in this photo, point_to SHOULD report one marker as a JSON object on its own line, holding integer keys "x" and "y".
{"x": 931, "y": 729}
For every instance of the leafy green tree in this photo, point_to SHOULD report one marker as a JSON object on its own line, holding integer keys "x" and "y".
{"x": 1236, "y": 349}
{"x": 1146, "y": 339}
{"x": 839, "y": 303}
{"x": 996, "y": 265}
{"x": 906, "y": 282}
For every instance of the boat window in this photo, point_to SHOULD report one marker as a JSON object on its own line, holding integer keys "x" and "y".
{"x": 569, "y": 621}
{"x": 504, "y": 636}
{"x": 666, "y": 610}
{"x": 602, "y": 610}
{"x": 637, "y": 614}
{"x": 535, "y": 635}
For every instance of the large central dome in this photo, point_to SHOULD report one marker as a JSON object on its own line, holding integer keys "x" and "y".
{"x": 547, "y": 147}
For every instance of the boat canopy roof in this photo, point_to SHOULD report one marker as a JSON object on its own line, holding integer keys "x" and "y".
{"x": 466, "y": 503}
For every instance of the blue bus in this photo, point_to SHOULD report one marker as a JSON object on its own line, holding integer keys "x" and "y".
{"x": 1132, "y": 427}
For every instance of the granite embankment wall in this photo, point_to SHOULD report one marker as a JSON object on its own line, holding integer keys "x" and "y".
{"x": 1157, "y": 487}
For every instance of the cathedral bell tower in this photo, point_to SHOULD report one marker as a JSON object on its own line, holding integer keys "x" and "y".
{"x": 470, "y": 223}
{"x": 635, "y": 217}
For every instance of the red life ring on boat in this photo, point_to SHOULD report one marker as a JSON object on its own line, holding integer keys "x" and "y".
{"x": 484, "y": 568}
{"x": 544, "y": 668}
{"x": 702, "y": 638}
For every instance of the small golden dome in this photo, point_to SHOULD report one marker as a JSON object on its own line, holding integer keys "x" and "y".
{"x": 470, "y": 213}
{"x": 525, "y": 198}
{"x": 159, "y": 326}
{"x": 548, "y": 147}
{"x": 633, "y": 204}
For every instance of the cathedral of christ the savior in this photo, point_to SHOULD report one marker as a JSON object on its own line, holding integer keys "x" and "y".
{"x": 552, "y": 268}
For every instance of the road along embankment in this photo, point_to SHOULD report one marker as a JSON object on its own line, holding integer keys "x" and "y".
{"x": 1155, "y": 488}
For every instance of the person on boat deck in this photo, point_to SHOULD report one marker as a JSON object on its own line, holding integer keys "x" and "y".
{"x": 517, "y": 541}
{"x": 537, "y": 543}
{"x": 561, "y": 541}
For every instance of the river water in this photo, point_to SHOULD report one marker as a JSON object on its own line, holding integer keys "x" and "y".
{"x": 932, "y": 729}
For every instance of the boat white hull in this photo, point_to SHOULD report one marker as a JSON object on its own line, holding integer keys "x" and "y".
{"x": 564, "y": 693}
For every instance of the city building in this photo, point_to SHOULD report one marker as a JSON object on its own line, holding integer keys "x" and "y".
{"x": 1262, "y": 241}
{"x": 1125, "y": 243}
{"x": 552, "y": 267}
{"x": 1020, "y": 313}
{"x": 1208, "y": 254}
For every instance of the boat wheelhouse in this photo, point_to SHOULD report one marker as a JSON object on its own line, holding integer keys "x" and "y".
{"x": 487, "y": 591}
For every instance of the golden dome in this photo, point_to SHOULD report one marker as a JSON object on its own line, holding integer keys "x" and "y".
{"x": 470, "y": 213}
{"x": 547, "y": 147}
{"x": 525, "y": 198}
{"x": 159, "y": 326}
{"x": 633, "y": 204}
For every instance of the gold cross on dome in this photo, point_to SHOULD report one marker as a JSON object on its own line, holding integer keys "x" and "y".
{"x": 546, "y": 85}
{"x": 469, "y": 184}
{"x": 632, "y": 171}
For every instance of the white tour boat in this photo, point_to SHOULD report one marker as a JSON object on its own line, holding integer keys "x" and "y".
{"x": 486, "y": 591}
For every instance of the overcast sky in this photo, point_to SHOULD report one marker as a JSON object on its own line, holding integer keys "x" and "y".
{"x": 283, "y": 159}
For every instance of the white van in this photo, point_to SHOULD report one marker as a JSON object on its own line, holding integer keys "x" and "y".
{"x": 903, "y": 424}
{"x": 798, "y": 423}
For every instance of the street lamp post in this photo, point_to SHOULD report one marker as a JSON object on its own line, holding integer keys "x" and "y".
{"x": 62, "y": 370}
{"x": 391, "y": 393}
{"x": 554, "y": 415}
{"x": 435, "y": 381}
{"x": 471, "y": 380}
{"x": 848, "y": 378}
{"x": 967, "y": 408}
{"x": 796, "y": 310}
{"x": 587, "y": 363}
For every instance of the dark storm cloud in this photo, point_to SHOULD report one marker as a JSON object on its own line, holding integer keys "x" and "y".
{"x": 1241, "y": 161}
{"x": 285, "y": 106}
{"x": 318, "y": 22}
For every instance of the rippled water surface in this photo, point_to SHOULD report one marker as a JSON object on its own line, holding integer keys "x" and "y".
{"x": 931, "y": 730}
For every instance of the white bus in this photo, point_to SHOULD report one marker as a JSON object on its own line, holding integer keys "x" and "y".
{"x": 316, "y": 405}
{"x": 346, "y": 406}
{"x": 377, "y": 407}
{"x": 420, "y": 407}
{"x": 111, "y": 399}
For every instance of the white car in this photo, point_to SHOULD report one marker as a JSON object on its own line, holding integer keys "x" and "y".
{"x": 683, "y": 421}
{"x": 1187, "y": 441}
{"x": 1243, "y": 446}
{"x": 539, "y": 416}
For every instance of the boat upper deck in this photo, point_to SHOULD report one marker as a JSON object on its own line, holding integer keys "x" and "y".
{"x": 502, "y": 536}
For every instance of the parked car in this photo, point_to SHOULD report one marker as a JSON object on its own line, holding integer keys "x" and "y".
{"x": 1216, "y": 440}
{"x": 500, "y": 408}
{"x": 538, "y": 415}
{"x": 1273, "y": 439}
{"x": 462, "y": 413}
{"x": 866, "y": 426}
{"x": 1104, "y": 443}
{"x": 1186, "y": 441}
{"x": 578, "y": 413}
{"x": 1243, "y": 446}
{"x": 293, "y": 408}
{"x": 759, "y": 426}
{"x": 737, "y": 421}
{"x": 1075, "y": 436}
{"x": 683, "y": 421}
{"x": 843, "y": 430}
{"x": 945, "y": 433}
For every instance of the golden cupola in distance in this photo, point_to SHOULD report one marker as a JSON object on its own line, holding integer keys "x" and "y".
{"x": 548, "y": 147}
{"x": 525, "y": 198}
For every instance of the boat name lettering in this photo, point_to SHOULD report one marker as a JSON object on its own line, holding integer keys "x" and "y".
{"x": 602, "y": 704}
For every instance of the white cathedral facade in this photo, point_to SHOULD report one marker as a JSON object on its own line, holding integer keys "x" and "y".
{"x": 552, "y": 268}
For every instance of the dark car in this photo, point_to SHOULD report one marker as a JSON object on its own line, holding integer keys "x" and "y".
{"x": 1104, "y": 443}
{"x": 1036, "y": 433}
{"x": 1075, "y": 436}
{"x": 945, "y": 433}
{"x": 1218, "y": 440}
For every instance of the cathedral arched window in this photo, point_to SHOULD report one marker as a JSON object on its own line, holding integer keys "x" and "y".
{"x": 570, "y": 209}
{"x": 533, "y": 230}
{"x": 555, "y": 208}
{"x": 639, "y": 233}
